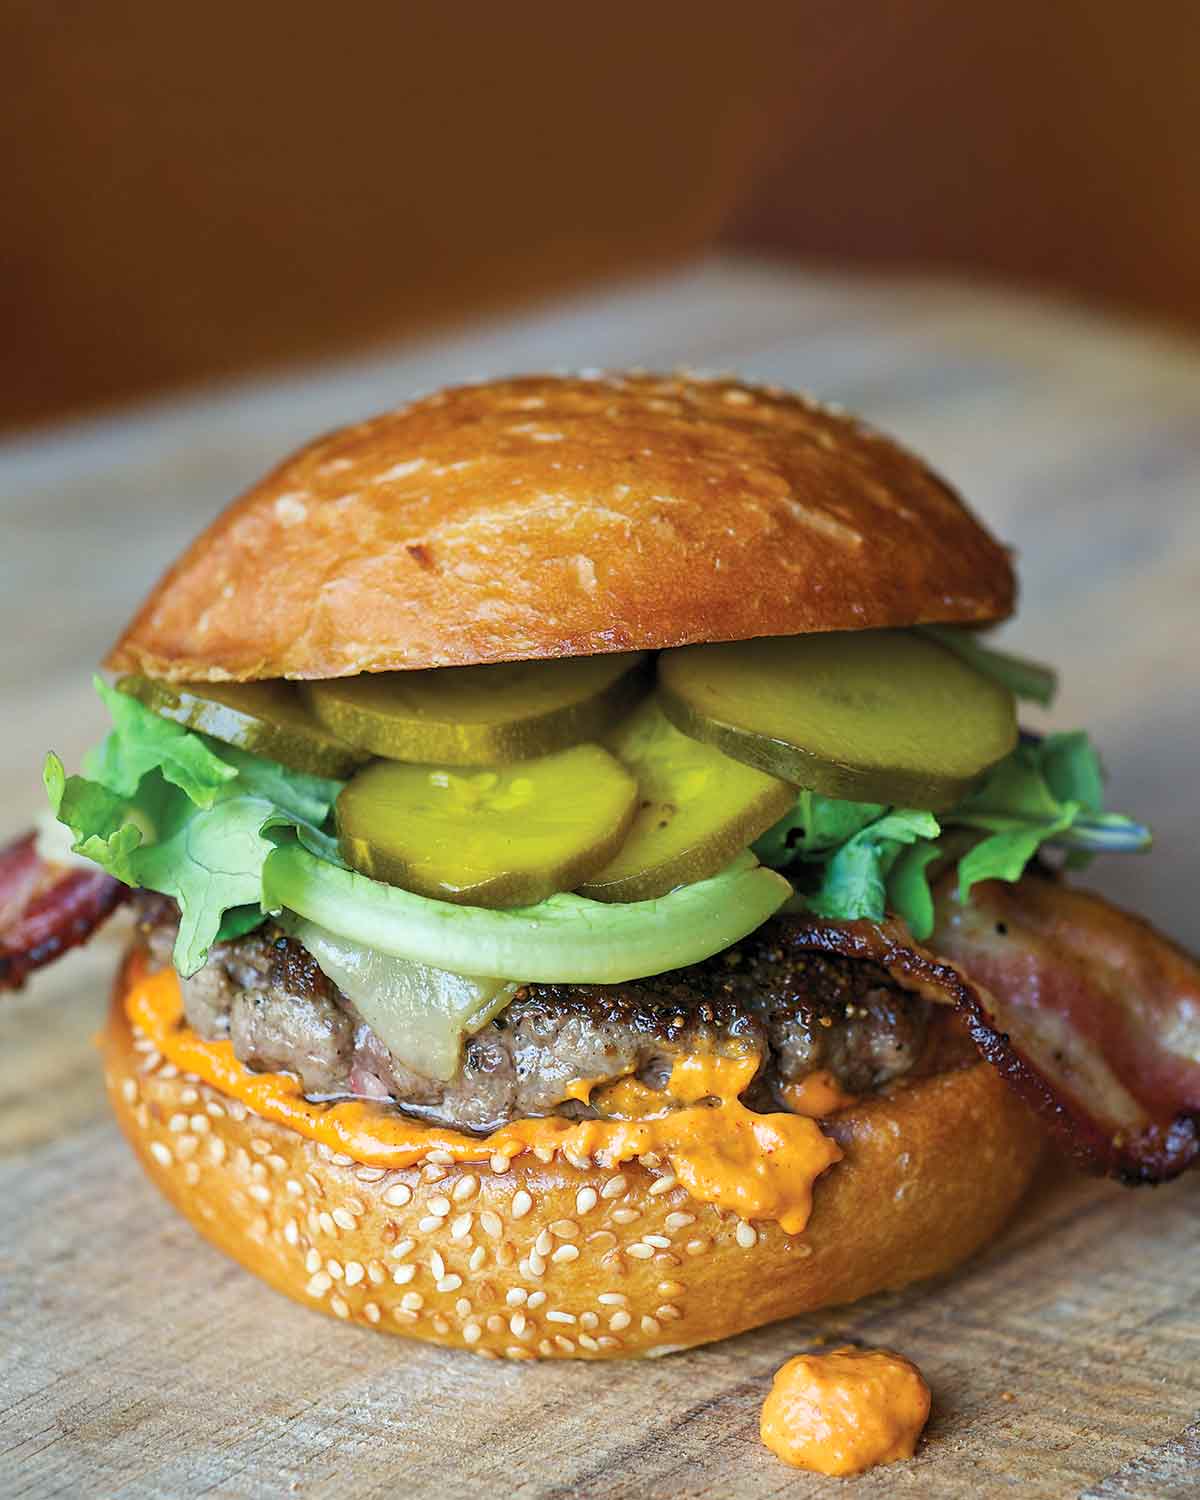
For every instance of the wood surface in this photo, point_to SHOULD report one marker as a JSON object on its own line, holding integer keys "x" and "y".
{"x": 136, "y": 1362}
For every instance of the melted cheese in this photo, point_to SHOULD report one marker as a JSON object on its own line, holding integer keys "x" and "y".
{"x": 757, "y": 1166}
{"x": 817, "y": 1095}
{"x": 845, "y": 1411}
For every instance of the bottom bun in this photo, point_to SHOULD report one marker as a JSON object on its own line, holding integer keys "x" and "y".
{"x": 552, "y": 1259}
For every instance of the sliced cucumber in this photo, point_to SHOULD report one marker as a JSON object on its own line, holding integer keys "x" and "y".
{"x": 563, "y": 940}
{"x": 266, "y": 718}
{"x": 479, "y": 716}
{"x": 696, "y": 809}
{"x": 866, "y": 715}
{"x": 487, "y": 836}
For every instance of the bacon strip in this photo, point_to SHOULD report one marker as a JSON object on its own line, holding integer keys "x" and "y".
{"x": 47, "y": 908}
{"x": 1091, "y": 1015}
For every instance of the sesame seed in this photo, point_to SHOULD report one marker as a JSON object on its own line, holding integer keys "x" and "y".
{"x": 461, "y": 1227}
{"x": 543, "y": 1244}
{"x": 325, "y": 1220}
{"x": 745, "y": 1235}
{"x": 377, "y": 1272}
{"x": 472, "y": 1333}
{"x": 565, "y": 1229}
{"x": 371, "y": 1312}
{"x": 577, "y": 1159}
{"x": 619, "y": 1320}
{"x": 514, "y": 1353}
{"x": 449, "y": 1283}
{"x": 564, "y": 1344}
{"x": 370, "y": 1174}
{"x": 160, "y": 1153}
{"x": 191, "y": 1174}
{"x": 440, "y": 1325}
{"x": 565, "y": 1253}
{"x": 355, "y": 1271}
{"x": 490, "y": 1223}
{"x": 463, "y": 1307}
{"x": 201, "y": 1124}
{"x": 355, "y": 1205}
{"x": 500, "y": 1163}
{"x": 521, "y": 1204}
{"x": 612, "y": 1299}
{"x": 429, "y": 1223}
{"x": 464, "y": 1188}
{"x": 276, "y": 1162}
{"x": 312, "y": 1262}
{"x": 679, "y": 1220}
{"x": 441, "y": 1158}
{"x": 334, "y": 1267}
{"x": 606, "y": 1342}
{"x": 397, "y": 1195}
{"x": 214, "y": 1108}
{"x": 344, "y": 1218}
{"x": 439, "y": 1206}
{"x": 651, "y": 1159}
{"x": 340, "y": 1306}
{"x": 668, "y": 1311}
{"x": 602, "y": 1238}
{"x": 432, "y": 1173}
{"x": 544, "y": 1154}
{"x": 437, "y": 1265}
{"x": 412, "y": 1302}
{"x": 696, "y": 1247}
{"x": 545, "y": 1348}
{"x": 259, "y": 1193}
{"x": 663, "y": 1184}
{"x": 536, "y": 1264}
{"x": 478, "y": 1255}
{"x": 340, "y": 1159}
{"x": 518, "y": 1324}
{"x": 651, "y": 1325}
{"x": 587, "y": 1342}
{"x": 168, "y": 1070}
{"x": 259, "y": 1146}
{"x": 402, "y": 1275}
{"x": 555, "y": 1316}
{"x": 588, "y": 1320}
{"x": 129, "y": 1091}
{"x": 515, "y": 1296}
{"x": 177, "y": 1123}
{"x": 659, "y": 1241}
{"x": 670, "y": 1289}
{"x": 291, "y": 1232}
{"x": 586, "y": 1199}
{"x": 639, "y": 1251}
{"x": 185, "y": 1146}
{"x": 495, "y": 1323}
{"x": 535, "y": 1300}
{"x": 401, "y": 1248}
{"x": 291, "y": 1185}
{"x": 319, "y": 1284}
{"x": 625, "y": 1215}
{"x": 403, "y": 1315}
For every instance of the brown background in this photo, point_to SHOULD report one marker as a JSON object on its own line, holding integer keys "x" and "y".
{"x": 189, "y": 191}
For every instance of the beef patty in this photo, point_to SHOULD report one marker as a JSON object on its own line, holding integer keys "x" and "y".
{"x": 802, "y": 1012}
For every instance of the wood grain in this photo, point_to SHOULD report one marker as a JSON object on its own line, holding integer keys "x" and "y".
{"x": 136, "y": 1362}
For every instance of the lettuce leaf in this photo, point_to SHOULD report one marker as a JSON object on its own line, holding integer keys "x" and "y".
{"x": 168, "y": 810}
{"x": 1023, "y": 678}
{"x": 1048, "y": 791}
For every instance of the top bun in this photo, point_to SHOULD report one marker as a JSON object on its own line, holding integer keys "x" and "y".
{"x": 544, "y": 516}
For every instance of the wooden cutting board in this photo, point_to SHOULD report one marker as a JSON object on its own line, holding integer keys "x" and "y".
{"x": 136, "y": 1362}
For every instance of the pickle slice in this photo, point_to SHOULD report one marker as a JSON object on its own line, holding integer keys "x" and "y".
{"x": 866, "y": 715}
{"x": 266, "y": 718}
{"x": 492, "y": 836}
{"x": 481, "y": 716}
{"x": 696, "y": 809}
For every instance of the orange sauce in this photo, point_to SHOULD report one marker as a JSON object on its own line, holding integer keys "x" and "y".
{"x": 845, "y": 1411}
{"x": 817, "y": 1095}
{"x": 757, "y": 1166}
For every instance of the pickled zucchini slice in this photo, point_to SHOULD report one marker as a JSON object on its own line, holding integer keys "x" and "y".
{"x": 696, "y": 809}
{"x": 489, "y": 836}
{"x": 867, "y": 715}
{"x": 481, "y": 716}
{"x": 266, "y": 718}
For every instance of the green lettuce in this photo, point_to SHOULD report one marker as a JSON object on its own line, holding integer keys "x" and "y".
{"x": 874, "y": 859}
{"x": 164, "y": 809}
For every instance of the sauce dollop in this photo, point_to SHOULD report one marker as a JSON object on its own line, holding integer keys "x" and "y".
{"x": 845, "y": 1411}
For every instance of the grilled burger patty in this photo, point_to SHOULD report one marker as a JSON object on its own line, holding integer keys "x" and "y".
{"x": 804, "y": 1012}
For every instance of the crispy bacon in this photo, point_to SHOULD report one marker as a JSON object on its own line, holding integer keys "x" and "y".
{"x": 1090, "y": 1014}
{"x": 47, "y": 908}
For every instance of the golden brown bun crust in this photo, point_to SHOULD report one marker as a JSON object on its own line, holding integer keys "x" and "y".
{"x": 551, "y": 1259}
{"x": 544, "y": 517}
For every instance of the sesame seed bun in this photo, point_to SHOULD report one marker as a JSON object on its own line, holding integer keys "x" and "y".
{"x": 544, "y": 517}
{"x": 528, "y": 1258}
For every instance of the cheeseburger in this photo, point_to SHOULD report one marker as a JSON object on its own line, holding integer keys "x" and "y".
{"x": 592, "y": 892}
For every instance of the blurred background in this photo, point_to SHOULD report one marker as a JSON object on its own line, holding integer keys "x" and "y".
{"x": 195, "y": 191}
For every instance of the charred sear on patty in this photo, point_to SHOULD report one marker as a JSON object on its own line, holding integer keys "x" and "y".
{"x": 802, "y": 1012}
